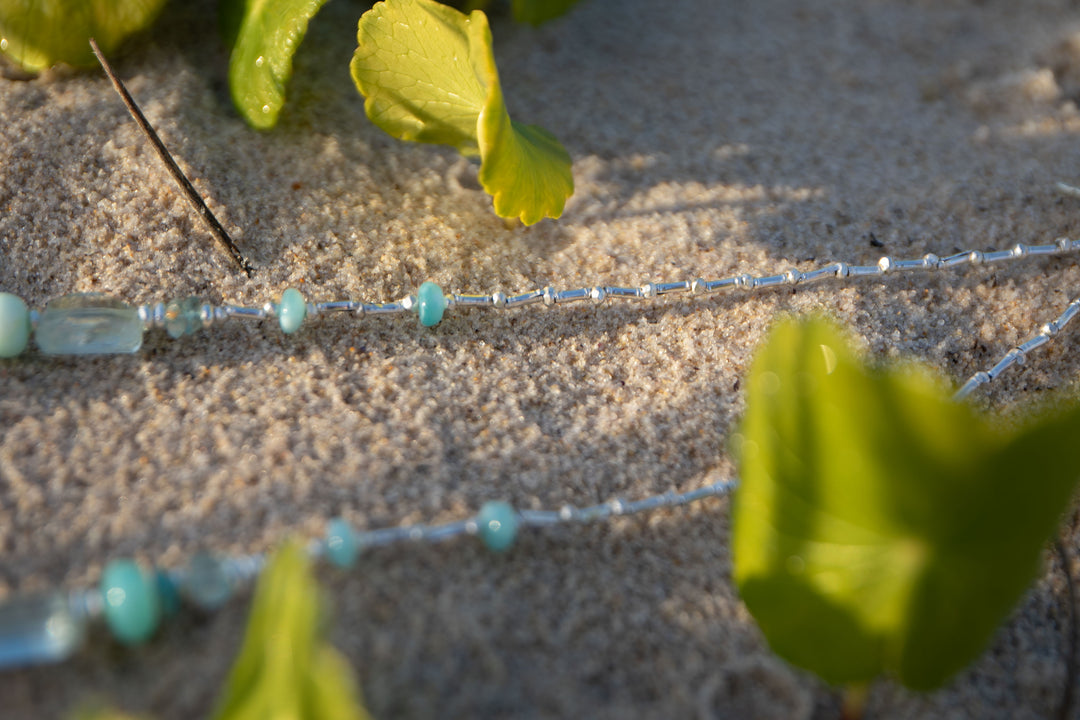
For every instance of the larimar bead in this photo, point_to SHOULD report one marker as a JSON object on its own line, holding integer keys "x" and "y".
{"x": 183, "y": 317}
{"x": 497, "y": 524}
{"x": 342, "y": 545}
{"x": 206, "y": 584}
{"x": 132, "y": 603}
{"x": 39, "y": 629}
{"x": 14, "y": 325}
{"x": 88, "y": 324}
{"x": 430, "y": 304}
{"x": 291, "y": 311}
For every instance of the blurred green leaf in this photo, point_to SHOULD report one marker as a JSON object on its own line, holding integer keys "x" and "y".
{"x": 536, "y": 12}
{"x": 879, "y": 526}
{"x": 428, "y": 74}
{"x": 264, "y": 36}
{"x": 285, "y": 670}
{"x": 37, "y": 34}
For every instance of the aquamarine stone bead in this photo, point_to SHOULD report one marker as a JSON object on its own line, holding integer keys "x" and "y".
{"x": 38, "y": 629}
{"x": 291, "y": 311}
{"x": 88, "y": 324}
{"x": 132, "y": 603}
{"x": 183, "y": 317}
{"x": 14, "y": 325}
{"x": 342, "y": 545}
{"x": 430, "y": 304}
{"x": 206, "y": 584}
{"x": 497, "y": 524}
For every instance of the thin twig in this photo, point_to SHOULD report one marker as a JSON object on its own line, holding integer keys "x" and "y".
{"x": 1070, "y": 659}
{"x": 192, "y": 195}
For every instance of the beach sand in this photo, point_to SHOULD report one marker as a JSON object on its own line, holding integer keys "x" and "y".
{"x": 709, "y": 138}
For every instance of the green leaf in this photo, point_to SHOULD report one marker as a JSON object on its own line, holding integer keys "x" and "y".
{"x": 39, "y": 34}
{"x": 880, "y": 526}
{"x": 536, "y": 12}
{"x": 285, "y": 671}
{"x": 428, "y": 74}
{"x": 264, "y": 36}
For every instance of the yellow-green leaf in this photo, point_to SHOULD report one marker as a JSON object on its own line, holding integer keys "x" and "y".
{"x": 285, "y": 670}
{"x": 880, "y": 527}
{"x": 428, "y": 74}
{"x": 37, "y": 34}
{"x": 264, "y": 35}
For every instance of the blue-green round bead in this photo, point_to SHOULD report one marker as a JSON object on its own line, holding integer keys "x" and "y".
{"x": 342, "y": 545}
{"x": 183, "y": 317}
{"x": 291, "y": 311}
{"x": 430, "y": 304}
{"x": 14, "y": 325}
{"x": 168, "y": 593}
{"x": 497, "y": 524}
{"x": 132, "y": 603}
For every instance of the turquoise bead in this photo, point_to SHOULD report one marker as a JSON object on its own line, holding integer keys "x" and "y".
{"x": 88, "y": 324}
{"x": 132, "y": 603}
{"x": 291, "y": 311}
{"x": 430, "y": 304}
{"x": 497, "y": 524}
{"x": 183, "y": 317}
{"x": 206, "y": 584}
{"x": 39, "y": 629}
{"x": 342, "y": 545}
{"x": 14, "y": 325}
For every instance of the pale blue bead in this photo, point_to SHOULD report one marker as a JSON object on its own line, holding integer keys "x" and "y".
{"x": 183, "y": 317}
{"x": 39, "y": 629}
{"x": 88, "y": 324}
{"x": 14, "y": 325}
{"x": 132, "y": 604}
{"x": 430, "y": 304}
{"x": 206, "y": 584}
{"x": 291, "y": 311}
{"x": 497, "y": 524}
{"x": 342, "y": 545}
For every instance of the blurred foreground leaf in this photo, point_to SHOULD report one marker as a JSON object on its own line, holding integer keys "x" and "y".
{"x": 879, "y": 526}
{"x": 37, "y": 34}
{"x": 264, "y": 36}
{"x": 286, "y": 670}
{"x": 428, "y": 75}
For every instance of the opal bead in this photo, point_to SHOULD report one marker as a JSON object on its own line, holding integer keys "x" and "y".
{"x": 39, "y": 629}
{"x": 342, "y": 545}
{"x": 88, "y": 324}
{"x": 430, "y": 304}
{"x": 14, "y": 325}
{"x": 132, "y": 603}
{"x": 291, "y": 311}
{"x": 206, "y": 584}
{"x": 183, "y": 317}
{"x": 497, "y": 524}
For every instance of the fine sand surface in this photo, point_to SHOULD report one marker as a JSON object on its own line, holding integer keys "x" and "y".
{"x": 710, "y": 138}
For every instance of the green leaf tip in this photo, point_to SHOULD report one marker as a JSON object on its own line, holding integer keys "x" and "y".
{"x": 285, "y": 670}
{"x": 880, "y": 527}
{"x": 264, "y": 35}
{"x": 37, "y": 35}
{"x": 427, "y": 73}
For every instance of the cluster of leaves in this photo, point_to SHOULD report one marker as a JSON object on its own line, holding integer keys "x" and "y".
{"x": 879, "y": 526}
{"x": 285, "y": 669}
{"x": 427, "y": 71}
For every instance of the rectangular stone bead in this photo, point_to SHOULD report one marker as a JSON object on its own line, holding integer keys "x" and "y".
{"x": 88, "y": 324}
{"x": 38, "y": 629}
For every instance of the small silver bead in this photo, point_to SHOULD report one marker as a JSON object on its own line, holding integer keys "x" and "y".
{"x": 498, "y": 299}
{"x": 931, "y": 260}
{"x": 842, "y": 270}
{"x": 616, "y": 506}
{"x": 220, "y": 314}
{"x": 697, "y": 286}
{"x": 975, "y": 257}
{"x": 744, "y": 281}
{"x": 206, "y": 315}
{"x": 885, "y": 263}
{"x": 793, "y": 277}
{"x": 1019, "y": 250}
{"x": 1050, "y": 329}
{"x": 648, "y": 290}
{"x": 312, "y": 310}
{"x": 159, "y": 315}
{"x": 549, "y": 296}
{"x": 981, "y": 377}
{"x": 471, "y": 528}
{"x": 1064, "y": 244}
{"x": 409, "y": 302}
{"x": 270, "y": 309}
{"x": 598, "y": 295}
